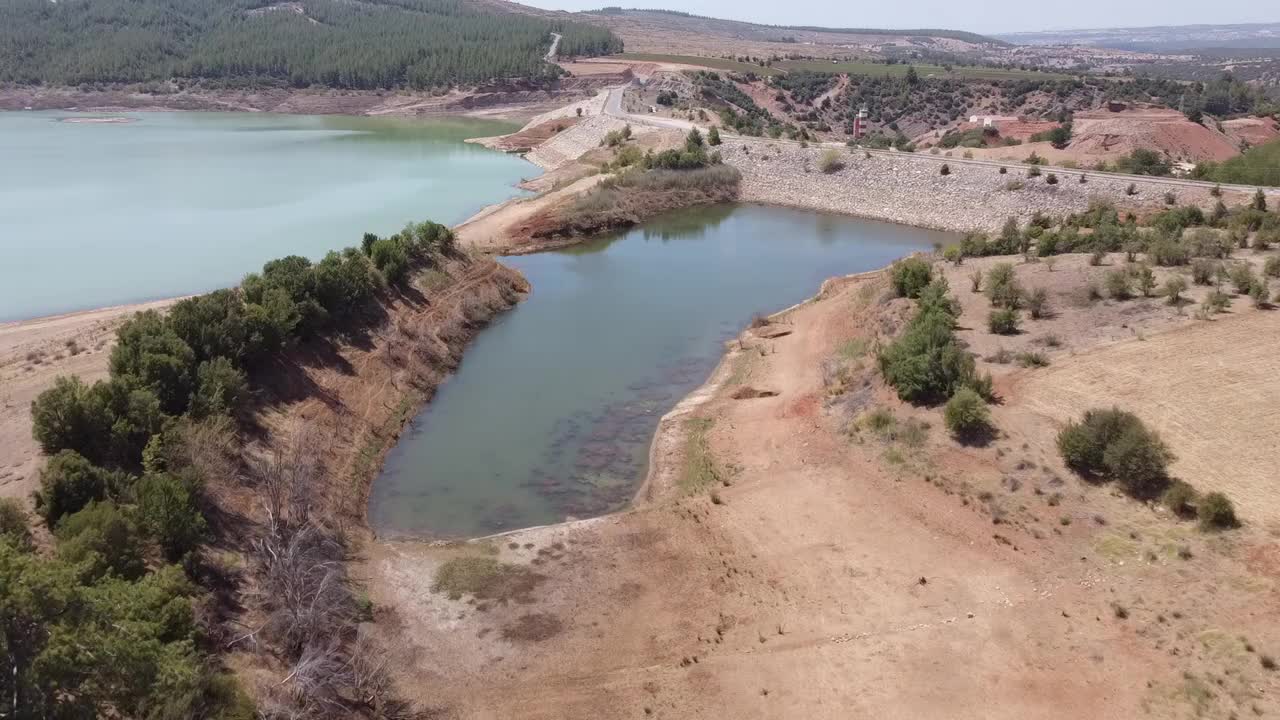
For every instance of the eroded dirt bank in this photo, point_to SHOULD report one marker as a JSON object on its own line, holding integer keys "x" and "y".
{"x": 786, "y": 561}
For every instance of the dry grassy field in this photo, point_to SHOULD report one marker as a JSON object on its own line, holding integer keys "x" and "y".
{"x": 1209, "y": 388}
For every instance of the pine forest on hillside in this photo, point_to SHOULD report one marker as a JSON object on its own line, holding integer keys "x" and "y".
{"x": 369, "y": 44}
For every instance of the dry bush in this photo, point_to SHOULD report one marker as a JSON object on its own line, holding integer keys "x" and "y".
{"x": 831, "y": 162}
{"x": 306, "y": 596}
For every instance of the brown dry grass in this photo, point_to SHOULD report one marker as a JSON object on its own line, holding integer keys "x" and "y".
{"x": 1210, "y": 388}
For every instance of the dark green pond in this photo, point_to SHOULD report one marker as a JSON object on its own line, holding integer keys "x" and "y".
{"x": 553, "y": 409}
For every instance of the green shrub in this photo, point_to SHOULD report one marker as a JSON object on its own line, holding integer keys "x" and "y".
{"x": 286, "y": 300}
{"x": 68, "y": 416}
{"x": 1003, "y": 321}
{"x": 1168, "y": 252}
{"x": 1174, "y": 287}
{"x": 1202, "y": 271}
{"x": 102, "y": 537}
{"x": 1216, "y": 512}
{"x": 1181, "y": 498}
{"x": 1146, "y": 279}
{"x": 13, "y": 524}
{"x": 1115, "y": 445}
{"x": 1216, "y": 301}
{"x": 167, "y": 510}
{"x": 221, "y": 388}
{"x": 1206, "y": 243}
{"x": 1038, "y": 303}
{"x": 391, "y": 258}
{"x": 68, "y": 482}
{"x": 1032, "y": 359}
{"x": 1260, "y": 293}
{"x": 149, "y": 350}
{"x": 1118, "y": 285}
{"x": 966, "y": 415}
{"x": 953, "y": 254}
{"x": 1003, "y": 289}
{"x": 1242, "y": 277}
{"x": 212, "y": 325}
{"x": 713, "y": 136}
{"x": 909, "y": 276}
{"x": 273, "y": 322}
{"x": 344, "y": 282}
{"x": 926, "y": 364}
{"x": 1271, "y": 268}
{"x": 1138, "y": 460}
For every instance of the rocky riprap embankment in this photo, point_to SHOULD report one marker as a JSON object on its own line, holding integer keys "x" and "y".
{"x": 571, "y": 144}
{"x": 911, "y": 189}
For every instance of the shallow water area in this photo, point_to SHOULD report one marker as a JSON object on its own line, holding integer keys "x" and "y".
{"x": 95, "y": 211}
{"x": 553, "y": 409}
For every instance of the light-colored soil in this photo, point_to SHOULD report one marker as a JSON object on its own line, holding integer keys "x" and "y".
{"x": 1101, "y": 135}
{"x": 530, "y": 136}
{"x": 492, "y": 229}
{"x": 1209, "y": 388}
{"x": 1254, "y": 131}
{"x": 835, "y": 573}
{"x": 32, "y": 354}
{"x": 515, "y": 102}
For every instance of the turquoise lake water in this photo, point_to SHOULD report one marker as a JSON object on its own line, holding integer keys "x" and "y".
{"x": 95, "y": 214}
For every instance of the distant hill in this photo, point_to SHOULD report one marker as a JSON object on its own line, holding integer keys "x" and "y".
{"x": 674, "y": 32}
{"x": 1159, "y": 39}
{"x": 356, "y": 44}
{"x": 754, "y": 29}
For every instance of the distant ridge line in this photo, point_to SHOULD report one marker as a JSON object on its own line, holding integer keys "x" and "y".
{"x": 961, "y": 35}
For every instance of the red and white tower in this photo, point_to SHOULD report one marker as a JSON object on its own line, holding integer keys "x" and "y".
{"x": 860, "y": 124}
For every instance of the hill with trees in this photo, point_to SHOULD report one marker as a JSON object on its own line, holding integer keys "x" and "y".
{"x": 365, "y": 45}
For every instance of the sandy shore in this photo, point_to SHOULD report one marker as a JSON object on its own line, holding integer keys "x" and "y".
{"x": 34, "y": 352}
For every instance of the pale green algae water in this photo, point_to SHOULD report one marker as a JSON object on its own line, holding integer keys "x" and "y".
{"x": 96, "y": 214}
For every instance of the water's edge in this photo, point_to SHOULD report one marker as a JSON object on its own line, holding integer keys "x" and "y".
{"x": 667, "y": 445}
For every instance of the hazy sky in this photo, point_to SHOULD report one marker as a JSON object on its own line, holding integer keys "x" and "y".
{"x": 991, "y": 17}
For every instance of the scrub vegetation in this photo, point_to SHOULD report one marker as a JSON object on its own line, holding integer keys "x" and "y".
{"x": 130, "y": 575}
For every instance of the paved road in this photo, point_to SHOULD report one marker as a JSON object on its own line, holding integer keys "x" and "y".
{"x": 613, "y": 107}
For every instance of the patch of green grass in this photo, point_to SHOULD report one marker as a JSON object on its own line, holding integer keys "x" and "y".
{"x": 1116, "y": 547}
{"x": 925, "y": 71}
{"x": 1259, "y": 165}
{"x": 910, "y": 433}
{"x": 700, "y": 469}
{"x": 854, "y": 349}
{"x": 484, "y": 578}
{"x": 743, "y": 366}
{"x": 707, "y": 62}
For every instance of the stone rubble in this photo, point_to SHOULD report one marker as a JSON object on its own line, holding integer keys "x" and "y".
{"x": 911, "y": 190}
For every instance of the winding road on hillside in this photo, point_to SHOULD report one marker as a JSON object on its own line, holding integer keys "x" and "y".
{"x": 613, "y": 107}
